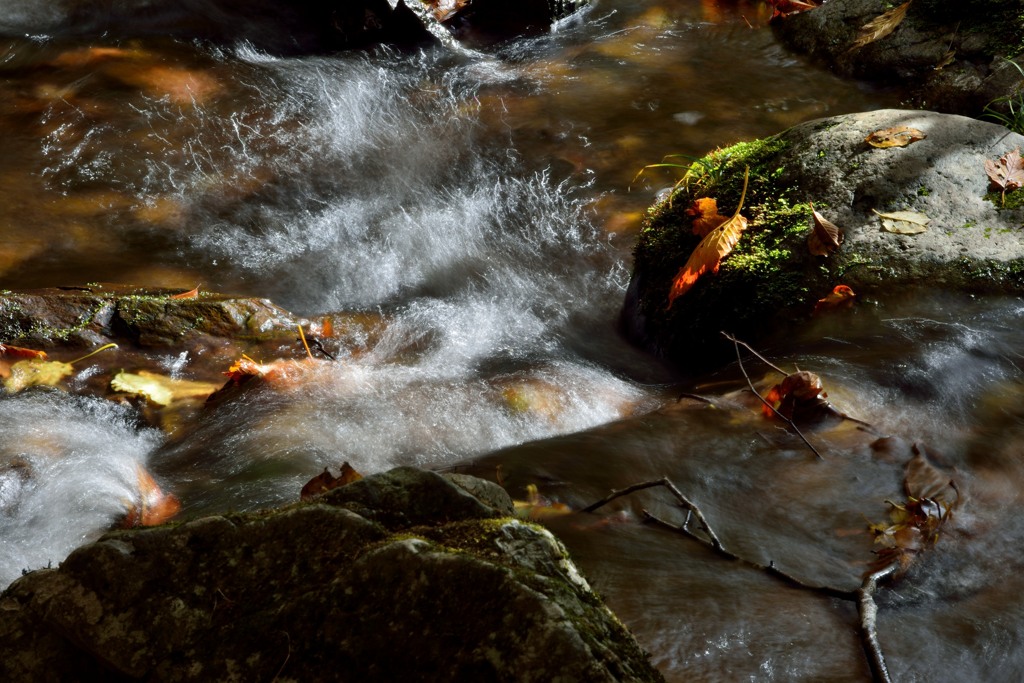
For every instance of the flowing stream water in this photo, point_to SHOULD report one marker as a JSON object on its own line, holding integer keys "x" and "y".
{"x": 475, "y": 212}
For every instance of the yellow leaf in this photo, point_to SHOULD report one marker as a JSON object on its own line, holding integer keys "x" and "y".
{"x": 36, "y": 372}
{"x": 904, "y": 222}
{"x": 898, "y": 136}
{"x": 880, "y": 26}
{"x": 160, "y": 389}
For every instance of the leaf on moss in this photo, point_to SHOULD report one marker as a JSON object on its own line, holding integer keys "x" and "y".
{"x": 708, "y": 255}
{"x": 706, "y": 218}
{"x": 880, "y": 26}
{"x": 190, "y": 294}
{"x": 825, "y": 235}
{"x": 898, "y": 136}
{"x": 904, "y": 222}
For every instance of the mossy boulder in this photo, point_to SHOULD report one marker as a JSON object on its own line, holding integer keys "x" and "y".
{"x": 406, "y": 576}
{"x": 951, "y": 56}
{"x": 771, "y": 281}
{"x": 151, "y": 317}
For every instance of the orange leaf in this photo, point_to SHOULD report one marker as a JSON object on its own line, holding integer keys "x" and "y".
{"x": 715, "y": 246}
{"x": 325, "y": 481}
{"x": 190, "y": 294}
{"x": 840, "y": 297}
{"x": 154, "y": 507}
{"x": 19, "y": 352}
{"x": 825, "y": 235}
{"x": 705, "y": 216}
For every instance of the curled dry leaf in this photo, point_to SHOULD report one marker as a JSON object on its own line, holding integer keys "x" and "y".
{"x": 708, "y": 255}
{"x": 798, "y": 387}
{"x": 783, "y": 8}
{"x": 706, "y": 218}
{"x": 899, "y": 136}
{"x": 880, "y": 26}
{"x": 904, "y": 222}
{"x": 325, "y": 481}
{"x": 825, "y": 235}
{"x": 841, "y": 296}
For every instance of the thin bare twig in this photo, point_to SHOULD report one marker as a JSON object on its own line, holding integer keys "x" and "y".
{"x": 763, "y": 400}
{"x": 761, "y": 358}
{"x": 863, "y": 596}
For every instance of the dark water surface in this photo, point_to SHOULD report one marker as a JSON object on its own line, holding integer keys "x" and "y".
{"x": 476, "y": 212}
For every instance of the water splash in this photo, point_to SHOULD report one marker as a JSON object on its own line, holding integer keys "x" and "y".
{"x": 67, "y": 466}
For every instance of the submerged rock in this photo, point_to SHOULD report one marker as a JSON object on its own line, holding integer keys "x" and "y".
{"x": 399, "y": 576}
{"x": 771, "y": 280}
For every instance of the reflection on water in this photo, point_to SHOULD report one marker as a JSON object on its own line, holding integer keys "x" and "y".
{"x": 471, "y": 216}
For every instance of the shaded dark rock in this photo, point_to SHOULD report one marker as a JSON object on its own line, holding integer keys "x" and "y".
{"x": 317, "y": 592}
{"x": 297, "y": 27}
{"x": 485, "y": 22}
{"x": 951, "y": 55}
{"x": 771, "y": 281}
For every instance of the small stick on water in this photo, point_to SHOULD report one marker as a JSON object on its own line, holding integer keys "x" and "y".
{"x": 792, "y": 425}
{"x": 302, "y": 336}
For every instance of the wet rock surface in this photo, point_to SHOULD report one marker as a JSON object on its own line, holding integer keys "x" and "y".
{"x": 952, "y": 56}
{"x": 448, "y": 588}
{"x": 772, "y": 281}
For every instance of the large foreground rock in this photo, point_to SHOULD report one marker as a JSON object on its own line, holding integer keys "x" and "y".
{"x": 771, "y": 280}
{"x": 398, "y": 577}
{"x": 951, "y": 56}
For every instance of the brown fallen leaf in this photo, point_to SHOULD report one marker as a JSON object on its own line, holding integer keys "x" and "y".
{"x": 783, "y": 8}
{"x": 325, "y": 481}
{"x": 898, "y": 136}
{"x": 708, "y": 255}
{"x": 880, "y": 26}
{"x": 825, "y": 235}
{"x": 1006, "y": 174}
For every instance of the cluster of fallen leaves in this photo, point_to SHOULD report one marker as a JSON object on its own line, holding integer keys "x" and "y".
{"x": 325, "y": 481}
{"x": 914, "y": 525}
{"x": 22, "y": 368}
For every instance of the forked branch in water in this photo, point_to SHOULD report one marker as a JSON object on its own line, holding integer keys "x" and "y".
{"x": 863, "y": 596}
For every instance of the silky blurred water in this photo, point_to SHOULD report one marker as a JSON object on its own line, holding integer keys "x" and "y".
{"x": 471, "y": 214}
